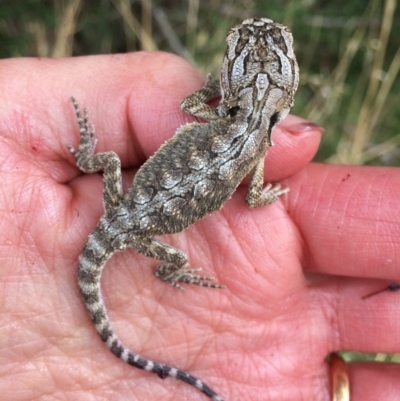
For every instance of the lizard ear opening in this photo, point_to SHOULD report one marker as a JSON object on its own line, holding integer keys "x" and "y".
{"x": 275, "y": 118}
{"x": 233, "y": 111}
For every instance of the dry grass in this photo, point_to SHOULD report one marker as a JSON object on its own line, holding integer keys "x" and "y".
{"x": 354, "y": 149}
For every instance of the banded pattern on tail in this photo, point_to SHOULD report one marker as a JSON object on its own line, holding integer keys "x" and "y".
{"x": 91, "y": 263}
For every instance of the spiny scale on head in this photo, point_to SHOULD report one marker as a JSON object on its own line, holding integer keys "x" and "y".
{"x": 191, "y": 175}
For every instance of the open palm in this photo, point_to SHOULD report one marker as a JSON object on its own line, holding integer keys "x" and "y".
{"x": 265, "y": 336}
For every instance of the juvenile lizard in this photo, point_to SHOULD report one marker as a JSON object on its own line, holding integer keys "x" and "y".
{"x": 192, "y": 174}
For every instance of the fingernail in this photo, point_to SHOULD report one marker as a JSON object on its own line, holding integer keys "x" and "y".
{"x": 299, "y": 128}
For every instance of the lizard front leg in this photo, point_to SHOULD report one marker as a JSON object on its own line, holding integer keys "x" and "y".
{"x": 173, "y": 260}
{"x": 89, "y": 162}
{"x": 195, "y": 104}
{"x": 257, "y": 195}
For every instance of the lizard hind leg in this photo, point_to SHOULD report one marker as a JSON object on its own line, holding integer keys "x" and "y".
{"x": 173, "y": 260}
{"x": 195, "y": 104}
{"x": 173, "y": 274}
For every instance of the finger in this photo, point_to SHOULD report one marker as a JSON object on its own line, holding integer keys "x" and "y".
{"x": 347, "y": 321}
{"x": 348, "y": 218}
{"x": 133, "y": 101}
{"x": 296, "y": 142}
{"x": 44, "y": 122}
{"x": 374, "y": 381}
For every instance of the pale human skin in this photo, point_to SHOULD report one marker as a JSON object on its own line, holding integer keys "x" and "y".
{"x": 285, "y": 307}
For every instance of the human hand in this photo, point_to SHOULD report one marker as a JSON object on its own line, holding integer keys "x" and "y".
{"x": 266, "y": 335}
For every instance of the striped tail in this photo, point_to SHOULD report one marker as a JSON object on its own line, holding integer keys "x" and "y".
{"x": 91, "y": 262}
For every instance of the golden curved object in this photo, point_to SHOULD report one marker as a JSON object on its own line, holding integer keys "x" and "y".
{"x": 339, "y": 379}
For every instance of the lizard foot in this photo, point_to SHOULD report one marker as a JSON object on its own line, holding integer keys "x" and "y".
{"x": 174, "y": 275}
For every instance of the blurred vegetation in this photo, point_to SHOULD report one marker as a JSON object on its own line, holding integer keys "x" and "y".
{"x": 348, "y": 51}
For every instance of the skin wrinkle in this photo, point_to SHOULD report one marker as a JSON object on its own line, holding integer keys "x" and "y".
{"x": 36, "y": 202}
{"x": 305, "y": 244}
{"x": 137, "y": 152}
{"x": 329, "y": 309}
{"x": 270, "y": 261}
{"x": 217, "y": 248}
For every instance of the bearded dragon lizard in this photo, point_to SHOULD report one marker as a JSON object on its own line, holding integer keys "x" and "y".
{"x": 191, "y": 175}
